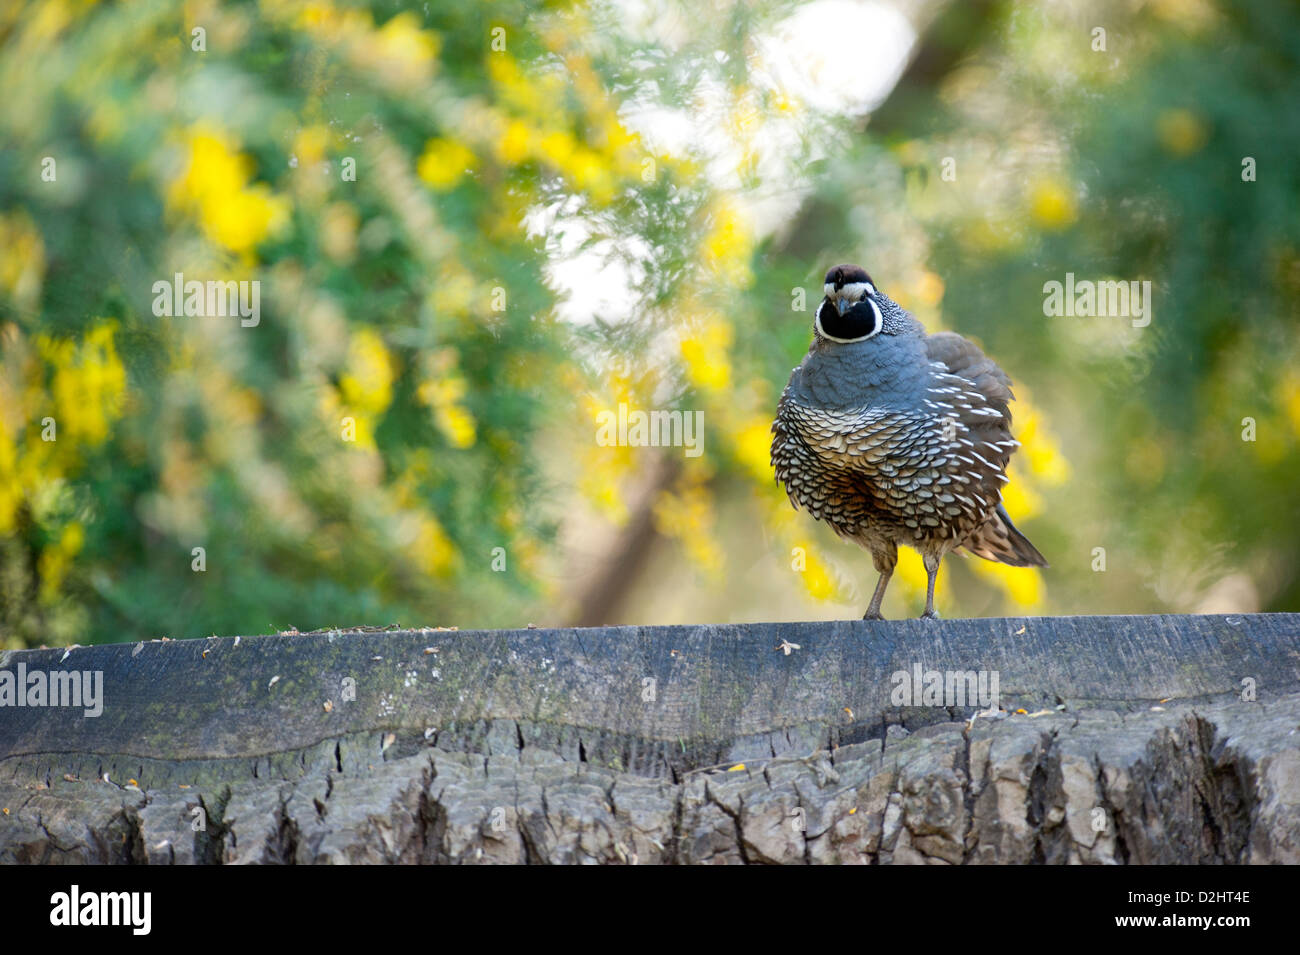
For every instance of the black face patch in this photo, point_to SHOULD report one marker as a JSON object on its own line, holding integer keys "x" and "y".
{"x": 858, "y": 322}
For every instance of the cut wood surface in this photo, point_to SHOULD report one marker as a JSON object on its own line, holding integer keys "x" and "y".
{"x": 1176, "y": 735}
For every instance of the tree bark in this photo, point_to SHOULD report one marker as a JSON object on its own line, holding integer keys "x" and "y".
{"x": 1137, "y": 741}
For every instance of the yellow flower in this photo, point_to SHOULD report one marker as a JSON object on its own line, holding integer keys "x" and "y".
{"x": 47, "y": 20}
{"x": 604, "y": 467}
{"x": 1038, "y": 448}
{"x": 689, "y": 515}
{"x": 443, "y": 395}
{"x": 458, "y": 425}
{"x": 309, "y": 145}
{"x": 1288, "y": 396}
{"x": 54, "y": 561}
{"x": 245, "y": 218}
{"x": 443, "y": 163}
{"x": 434, "y": 550}
{"x": 515, "y": 89}
{"x": 88, "y": 384}
{"x": 754, "y": 449}
{"x": 614, "y": 136}
{"x": 214, "y": 186}
{"x": 910, "y": 573}
{"x": 1022, "y": 585}
{"x": 314, "y": 16}
{"x": 1051, "y": 204}
{"x": 11, "y": 488}
{"x": 516, "y": 142}
{"x": 705, "y": 354}
{"x": 602, "y": 471}
{"x": 401, "y": 41}
{"x": 214, "y": 169}
{"x": 728, "y": 243}
{"x": 819, "y": 578}
{"x": 367, "y": 385}
{"x": 589, "y": 175}
{"x": 1019, "y": 497}
{"x": 557, "y": 148}
{"x": 85, "y": 395}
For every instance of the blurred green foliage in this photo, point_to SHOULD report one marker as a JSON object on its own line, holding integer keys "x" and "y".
{"x": 361, "y": 452}
{"x": 406, "y": 433}
{"x": 1167, "y": 156}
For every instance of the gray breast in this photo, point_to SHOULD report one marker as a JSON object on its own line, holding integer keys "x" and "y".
{"x": 861, "y": 441}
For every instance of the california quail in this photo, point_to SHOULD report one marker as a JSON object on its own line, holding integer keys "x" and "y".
{"x": 893, "y": 436}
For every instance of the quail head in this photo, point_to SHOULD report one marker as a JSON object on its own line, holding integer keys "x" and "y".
{"x": 893, "y": 436}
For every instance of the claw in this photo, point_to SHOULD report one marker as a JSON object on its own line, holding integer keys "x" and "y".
{"x": 873, "y": 616}
{"x": 931, "y": 615}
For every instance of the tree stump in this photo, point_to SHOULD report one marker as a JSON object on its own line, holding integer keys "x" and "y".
{"x": 1145, "y": 739}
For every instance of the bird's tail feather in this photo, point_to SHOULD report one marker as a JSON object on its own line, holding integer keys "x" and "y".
{"x": 998, "y": 540}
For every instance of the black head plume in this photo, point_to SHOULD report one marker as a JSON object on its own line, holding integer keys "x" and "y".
{"x": 842, "y": 275}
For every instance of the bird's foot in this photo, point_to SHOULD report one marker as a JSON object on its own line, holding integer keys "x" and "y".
{"x": 873, "y": 616}
{"x": 931, "y": 615}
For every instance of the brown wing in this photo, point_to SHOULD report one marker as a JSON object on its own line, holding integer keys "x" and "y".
{"x": 964, "y": 359}
{"x": 976, "y": 393}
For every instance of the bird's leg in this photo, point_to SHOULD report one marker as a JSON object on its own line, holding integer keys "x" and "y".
{"x": 884, "y": 561}
{"x": 873, "y": 609}
{"x": 931, "y": 562}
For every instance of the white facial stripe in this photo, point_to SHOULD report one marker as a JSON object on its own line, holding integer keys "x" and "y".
{"x": 855, "y": 290}
{"x": 851, "y": 293}
{"x": 817, "y": 318}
